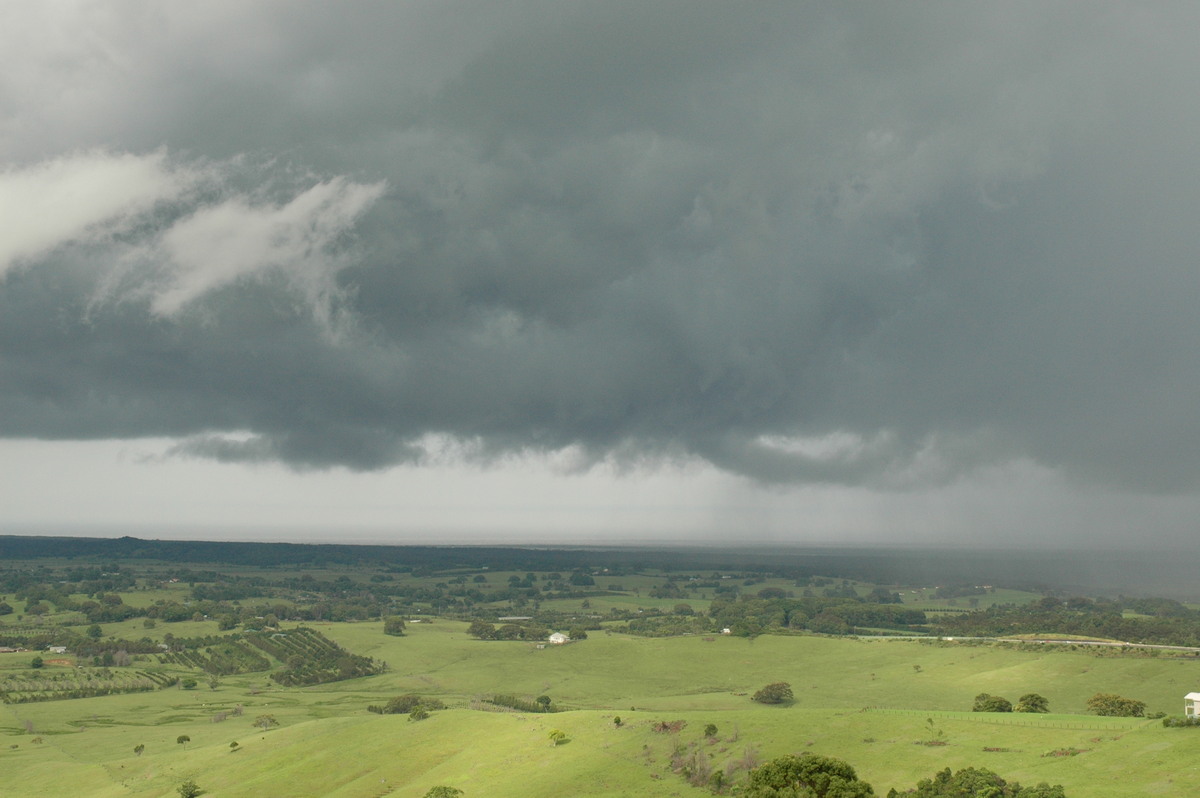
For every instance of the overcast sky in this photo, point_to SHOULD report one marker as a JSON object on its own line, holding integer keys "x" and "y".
{"x": 906, "y": 272}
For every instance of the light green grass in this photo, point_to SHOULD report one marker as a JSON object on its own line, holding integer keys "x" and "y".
{"x": 328, "y": 745}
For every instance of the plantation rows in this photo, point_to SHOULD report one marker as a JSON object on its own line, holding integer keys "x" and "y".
{"x": 226, "y": 658}
{"x": 25, "y": 688}
{"x": 312, "y": 658}
{"x": 303, "y": 642}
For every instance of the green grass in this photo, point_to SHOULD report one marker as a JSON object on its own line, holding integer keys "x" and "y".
{"x": 861, "y": 700}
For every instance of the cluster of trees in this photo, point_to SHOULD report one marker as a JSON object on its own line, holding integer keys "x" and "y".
{"x": 482, "y": 630}
{"x": 408, "y": 704}
{"x": 1030, "y": 702}
{"x": 750, "y": 616}
{"x": 1167, "y": 623}
{"x": 977, "y": 783}
{"x": 1113, "y": 705}
{"x": 540, "y": 704}
{"x": 810, "y": 775}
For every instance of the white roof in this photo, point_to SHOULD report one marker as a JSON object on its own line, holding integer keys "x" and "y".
{"x": 1192, "y": 696}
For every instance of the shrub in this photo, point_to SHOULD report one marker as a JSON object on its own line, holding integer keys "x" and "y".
{"x": 1177, "y": 722}
{"x": 189, "y": 789}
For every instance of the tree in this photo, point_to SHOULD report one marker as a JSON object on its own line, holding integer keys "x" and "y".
{"x": 443, "y": 792}
{"x": 1113, "y": 705}
{"x": 806, "y": 776}
{"x": 265, "y": 722}
{"x": 36, "y": 662}
{"x": 557, "y": 736}
{"x": 774, "y": 693}
{"x": 482, "y": 630}
{"x": 418, "y": 713}
{"x": 977, "y": 783}
{"x": 1032, "y": 702}
{"x": 991, "y": 703}
{"x": 183, "y": 738}
{"x": 139, "y": 748}
{"x": 5, "y": 608}
{"x": 543, "y": 701}
{"x": 189, "y": 789}
{"x": 710, "y": 730}
{"x": 188, "y": 684}
{"x": 394, "y": 626}
{"x": 95, "y": 632}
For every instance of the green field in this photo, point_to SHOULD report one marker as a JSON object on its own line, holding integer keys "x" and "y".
{"x": 871, "y": 702}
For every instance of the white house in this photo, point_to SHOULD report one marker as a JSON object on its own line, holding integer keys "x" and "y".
{"x": 558, "y": 638}
{"x": 1191, "y": 702}
{"x": 57, "y": 649}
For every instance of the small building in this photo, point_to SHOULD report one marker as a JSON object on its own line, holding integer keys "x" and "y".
{"x": 558, "y": 638}
{"x": 726, "y": 631}
{"x": 1191, "y": 702}
{"x": 57, "y": 649}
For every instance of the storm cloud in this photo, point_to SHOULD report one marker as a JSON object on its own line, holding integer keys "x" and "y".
{"x": 865, "y": 244}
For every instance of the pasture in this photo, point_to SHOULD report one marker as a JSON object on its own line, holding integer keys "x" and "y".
{"x": 895, "y": 709}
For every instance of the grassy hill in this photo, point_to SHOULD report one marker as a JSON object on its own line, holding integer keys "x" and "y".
{"x": 871, "y": 702}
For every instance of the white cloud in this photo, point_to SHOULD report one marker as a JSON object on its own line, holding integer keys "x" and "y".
{"x": 220, "y": 244}
{"x": 79, "y": 197}
{"x": 176, "y": 245}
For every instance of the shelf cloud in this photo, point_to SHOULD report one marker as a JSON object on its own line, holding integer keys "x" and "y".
{"x": 870, "y": 245}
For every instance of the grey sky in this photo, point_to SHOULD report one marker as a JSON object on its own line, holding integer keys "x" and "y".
{"x": 803, "y": 251}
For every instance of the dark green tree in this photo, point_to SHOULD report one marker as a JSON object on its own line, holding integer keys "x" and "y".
{"x": 394, "y": 625}
{"x": 976, "y": 783}
{"x": 991, "y": 703}
{"x": 1113, "y": 705}
{"x": 1032, "y": 702}
{"x": 806, "y": 776}
{"x": 482, "y": 630}
{"x": 189, "y": 789}
{"x": 774, "y": 693}
{"x": 36, "y": 662}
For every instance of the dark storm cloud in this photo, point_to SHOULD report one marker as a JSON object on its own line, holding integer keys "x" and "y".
{"x": 869, "y": 244}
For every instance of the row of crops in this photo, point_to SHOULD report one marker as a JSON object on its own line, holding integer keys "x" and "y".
{"x": 223, "y": 659}
{"x": 23, "y": 688}
{"x": 312, "y": 658}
